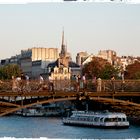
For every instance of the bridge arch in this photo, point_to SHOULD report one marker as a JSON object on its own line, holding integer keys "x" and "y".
{"x": 52, "y": 100}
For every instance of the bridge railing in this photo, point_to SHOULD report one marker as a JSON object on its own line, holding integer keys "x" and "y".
{"x": 70, "y": 85}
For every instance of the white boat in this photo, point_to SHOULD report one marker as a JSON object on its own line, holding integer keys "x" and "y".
{"x": 32, "y": 112}
{"x": 97, "y": 119}
{"x": 38, "y": 112}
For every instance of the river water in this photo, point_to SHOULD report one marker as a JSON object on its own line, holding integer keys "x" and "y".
{"x": 52, "y": 128}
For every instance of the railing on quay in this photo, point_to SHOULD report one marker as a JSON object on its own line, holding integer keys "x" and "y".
{"x": 70, "y": 85}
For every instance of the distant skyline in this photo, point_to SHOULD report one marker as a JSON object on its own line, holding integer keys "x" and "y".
{"x": 88, "y": 27}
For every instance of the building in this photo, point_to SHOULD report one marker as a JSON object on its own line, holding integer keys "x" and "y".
{"x": 38, "y": 67}
{"x": 64, "y": 56}
{"x": 81, "y": 57}
{"x": 109, "y": 55}
{"x": 126, "y": 60}
{"x": 58, "y": 71}
{"x": 5, "y": 62}
{"x": 63, "y": 67}
{"x": 44, "y": 54}
{"x": 35, "y": 60}
{"x": 26, "y": 65}
{"x": 88, "y": 59}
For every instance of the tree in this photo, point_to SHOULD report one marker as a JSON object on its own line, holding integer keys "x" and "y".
{"x": 6, "y": 72}
{"x": 100, "y": 68}
{"x": 133, "y": 71}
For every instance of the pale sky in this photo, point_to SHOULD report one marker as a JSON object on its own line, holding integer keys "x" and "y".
{"x": 88, "y": 27}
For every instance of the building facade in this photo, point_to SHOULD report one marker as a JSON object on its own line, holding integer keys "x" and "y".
{"x": 35, "y": 60}
{"x": 109, "y": 55}
{"x": 63, "y": 68}
{"x": 81, "y": 57}
{"x": 44, "y": 54}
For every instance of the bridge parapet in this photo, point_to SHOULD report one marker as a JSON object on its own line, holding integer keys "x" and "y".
{"x": 69, "y": 85}
{"x": 32, "y": 93}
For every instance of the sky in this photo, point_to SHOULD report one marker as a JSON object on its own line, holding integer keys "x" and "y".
{"x": 88, "y": 26}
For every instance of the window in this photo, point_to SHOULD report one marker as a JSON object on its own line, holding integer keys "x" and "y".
{"x": 65, "y": 71}
{"x": 96, "y": 119}
{"x": 61, "y": 70}
{"x": 101, "y": 120}
{"x": 124, "y": 119}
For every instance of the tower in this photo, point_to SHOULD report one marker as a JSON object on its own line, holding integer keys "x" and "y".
{"x": 63, "y": 47}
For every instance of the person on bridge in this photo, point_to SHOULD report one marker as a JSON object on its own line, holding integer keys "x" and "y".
{"x": 23, "y": 82}
{"x": 51, "y": 85}
{"x": 41, "y": 82}
{"x": 78, "y": 78}
{"x": 113, "y": 83}
{"x": 27, "y": 85}
{"x": 15, "y": 84}
{"x": 99, "y": 85}
{"x": 84, "y": 81}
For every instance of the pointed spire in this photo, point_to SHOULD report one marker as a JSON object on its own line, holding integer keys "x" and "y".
{"x": 63, "y": 36}
{"x": 63, "y": 47}
{"x": 66, "y": 46}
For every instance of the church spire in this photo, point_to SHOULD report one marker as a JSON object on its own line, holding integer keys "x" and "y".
{"x": 63, "y": 36}
{"x": 63, "y": 47}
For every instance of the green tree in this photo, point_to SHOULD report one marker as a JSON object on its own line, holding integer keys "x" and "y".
{"x": 7, "y": 71}
{"x": 100, "y": 68}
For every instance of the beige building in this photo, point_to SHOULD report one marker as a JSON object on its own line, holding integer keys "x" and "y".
{"x": 44, "y": 54}
{"x": 81, "y": 57}
{"x": 60, "y": 69}
{"x": 109, "y": 55}
{"x": 61, "y": 73}
{"x": 63, "y": 68}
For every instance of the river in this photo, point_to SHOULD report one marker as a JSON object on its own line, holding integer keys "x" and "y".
{"x": 52, "y": 128}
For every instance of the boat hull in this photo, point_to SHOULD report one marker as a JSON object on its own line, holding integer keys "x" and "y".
{"x": 96, "y": 126}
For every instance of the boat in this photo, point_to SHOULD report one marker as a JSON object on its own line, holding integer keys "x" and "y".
{"x": 102, "y": 119}
{"x": 31, "y": 112}
{"x": 39, "y": 110}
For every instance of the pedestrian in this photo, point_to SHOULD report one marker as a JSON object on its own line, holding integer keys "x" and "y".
{"x": 51, "y": 85}
{"x": 14, "y": 85}
{"x": 18, "y": 83}
{"x": 99, "y": 85}
{"x": 84, "y": 81}
{"x": 74, "y": 82}
{"x": 27, "y": 85}
{"x": 113, "y": 83}
{"x": 41, "y": 79}
{"x": 27, "y": 79}
{"x": 23, "y": 79}
{"x": 78, "y": 78}
{"x": 41, "y": 82}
